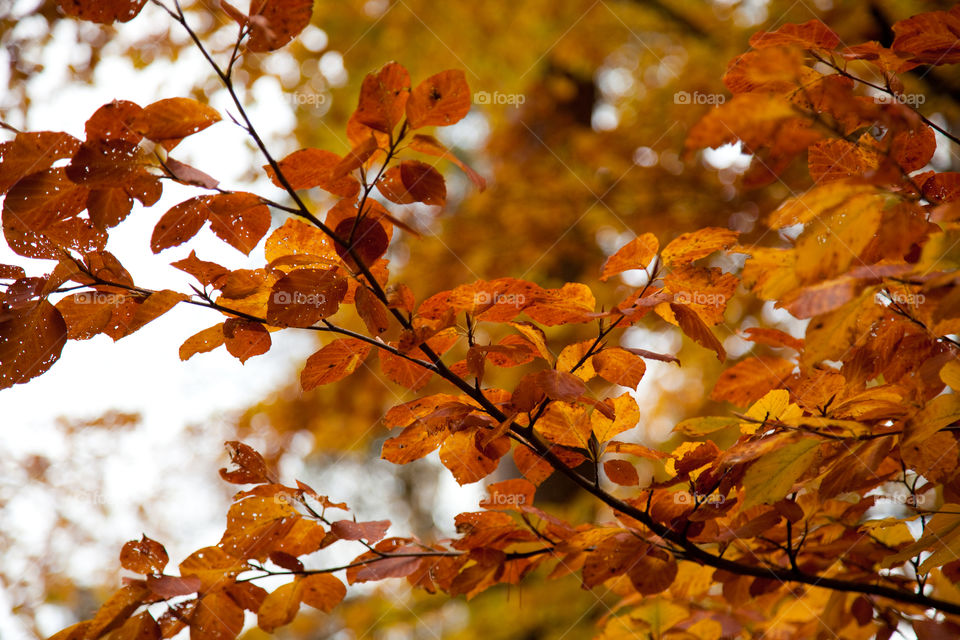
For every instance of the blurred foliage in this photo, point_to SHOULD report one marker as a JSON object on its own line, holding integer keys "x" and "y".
{"x": 593, "y": 152}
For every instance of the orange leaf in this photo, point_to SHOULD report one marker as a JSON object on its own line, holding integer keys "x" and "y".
{"x": 383, "y": 97}
{"x": 697, "y": 244}
{"x": 813, "y": 34}
{"x": 202, "y": 342}
{"x": 217, "y": 617}
{"x": 333, "y": 362}
{"x": 354, "y": 159}
{"x": 533, "y": 467}
{"x": 322, "y": 591}
{"x": 255, "y": 526}
{"x": 414, "y": 442}
{"x": 213, "y": 566}
{"x": 619, "y": 366}
{"x": 372, "y": 311}
{"x": 245, "y": 339}
{"x": 309, "y": 168}
{"x": 691, "y": 324}
{"x": 440, "y": 100}
{"x": 280, "y": 607}
{"x": 169, "y": 120}
{"x": 144, "y": 556}
{"x": 239, "y": 219}
{"x": 466, "y": 461}
{"x": 636, "y": 254}
{"x": 565, "y": 424}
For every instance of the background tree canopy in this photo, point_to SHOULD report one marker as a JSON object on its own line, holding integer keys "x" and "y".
{"x": 457, "y": 253}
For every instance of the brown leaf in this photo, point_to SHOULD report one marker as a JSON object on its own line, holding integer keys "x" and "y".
{"x": 102, "y": 11}
{"x": 369, "y": 531}
{"x": 749, "y": 380}
{"x": 251, "y": 467}
{"x": 31, "y": 340}
{"x": 274, "y": 23}
{"x": 929, "y": 38}
{"x": 303, "y": 297}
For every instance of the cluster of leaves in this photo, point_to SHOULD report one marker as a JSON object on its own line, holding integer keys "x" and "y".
{"x": 764, "y": 510}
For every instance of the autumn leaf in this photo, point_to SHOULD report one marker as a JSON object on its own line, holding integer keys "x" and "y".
{"x": 440, "y": 100}
{"x": 383, "y": 97}
{"x": 322, "y": 591}
{"x": 636, "y": 254}
{"x": 274, "y": 23}
{"x": 773, "y": 475}
{"x": 245, "y": 339}
{"x": 102, "y": 11}
{"x": 145, "y": 556}
{"x": 333, "y": 362}
{"x": 619, "y": 366}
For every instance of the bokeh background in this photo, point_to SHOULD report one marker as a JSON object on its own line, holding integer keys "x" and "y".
{"x": 581, "y": 110}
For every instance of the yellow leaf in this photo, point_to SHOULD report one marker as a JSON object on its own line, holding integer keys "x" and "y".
{"x": 773, "y": 475}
